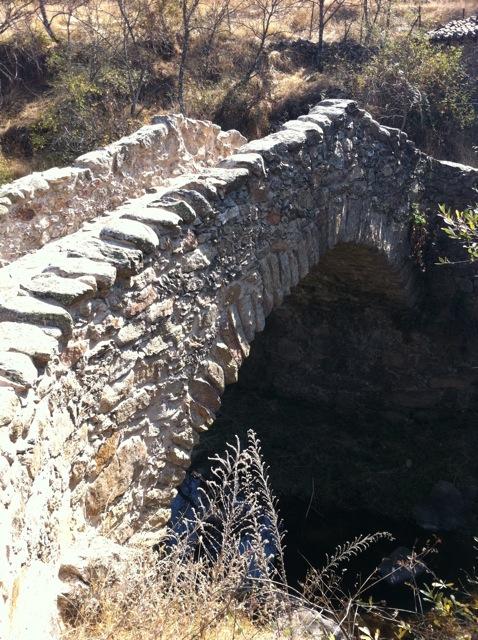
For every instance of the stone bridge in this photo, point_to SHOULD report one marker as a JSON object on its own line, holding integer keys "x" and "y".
{"x": 117, "y": 341}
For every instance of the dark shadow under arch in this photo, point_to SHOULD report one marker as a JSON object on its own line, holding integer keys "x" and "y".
{"x": 361, "y": 406}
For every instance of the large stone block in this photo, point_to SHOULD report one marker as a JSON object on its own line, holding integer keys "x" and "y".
{"x": 117, "y": 477}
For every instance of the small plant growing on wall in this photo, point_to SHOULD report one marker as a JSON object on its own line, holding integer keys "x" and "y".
{"x": 462, "y": 226}
{"x": 418, "y": 234}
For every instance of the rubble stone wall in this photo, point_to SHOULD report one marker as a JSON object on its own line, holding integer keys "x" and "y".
{"x": 117, "y": 341}
{"x": 460, "y": 33}
{"x": 456, "y": 31}
{"x": 50, "y": 204}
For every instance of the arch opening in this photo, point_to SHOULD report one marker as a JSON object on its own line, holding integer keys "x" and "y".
{"x": 364, "y": 406}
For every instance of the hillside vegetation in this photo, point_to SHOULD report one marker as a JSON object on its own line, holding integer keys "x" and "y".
{"x": 76, "y": 74}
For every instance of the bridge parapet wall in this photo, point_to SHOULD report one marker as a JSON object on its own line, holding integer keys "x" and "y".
{"x": 50, "y": 204}
{"x": 116, "y": 342}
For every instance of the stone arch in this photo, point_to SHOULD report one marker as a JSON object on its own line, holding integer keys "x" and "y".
{"x": 383, "y": 372}
{"x": 362, "y": 269}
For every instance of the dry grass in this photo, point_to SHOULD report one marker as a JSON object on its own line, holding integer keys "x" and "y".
{"x": 150, "y": 602}
{"x": 295, "y": 23}
{"x": 286, "y": 84}
{"x": 205, "y": 583}
{"x": 267, "y": 100}
{"x": 219, "y": 575}
{"x": 211, "y": 578}
{"x": 13, "y": 168}
{"x": 297, "y": 20}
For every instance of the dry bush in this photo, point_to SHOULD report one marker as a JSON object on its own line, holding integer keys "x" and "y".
{"x": 215, "y": 577}
{"x": 10, "y": 169}
{"x": 171, "y": 599}
{"x": 418, "y": 88}
{"x": 293, "y": 96}
{"x": 5, "y": 171}
{"x": 218, "y": 574}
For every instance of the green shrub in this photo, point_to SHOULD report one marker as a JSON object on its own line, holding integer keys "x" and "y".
{"x": 89, "y": 106}
{"x": 6, "y": 172}
{"x": 462, "y": 226}
{"x": 419, "y": 88}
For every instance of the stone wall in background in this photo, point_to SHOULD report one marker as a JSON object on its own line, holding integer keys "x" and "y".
{"x": 44, "y": 206}
{"x": 460, "y": 33}
{"x": 117, "y": 341}
{"x": 456, "y": 31}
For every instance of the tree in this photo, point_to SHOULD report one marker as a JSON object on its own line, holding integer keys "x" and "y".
{"x": 326, "y": 13}
{"x": 265, "y": 13}
{"x": 257, "y": 17}
{"x": 372, "y": 12}
{"x": 47, "y": 21}
{"x": 217, "y": 14}
{"x": 133, "y": 55}
{"x": 189, "y": 10}
{"x": 12, "y": 11}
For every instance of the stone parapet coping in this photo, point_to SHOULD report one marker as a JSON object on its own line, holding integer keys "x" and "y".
{"x": 49, "y": 204}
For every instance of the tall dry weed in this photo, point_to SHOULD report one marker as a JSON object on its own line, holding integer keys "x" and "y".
{"x": 218, "y": 573}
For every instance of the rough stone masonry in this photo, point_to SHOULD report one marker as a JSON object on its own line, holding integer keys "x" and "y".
{"x": 117, "y": 341}
{"x": 50, "y": 204}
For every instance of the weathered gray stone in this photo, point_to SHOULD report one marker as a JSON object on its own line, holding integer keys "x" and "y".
{"x": 139, "y": 235}
{"x": 275, "y": 143}
{"x": 247, "y": 315}
{"x": 294, "y": 269}
{"x": 226, "y": 180}
{"x": 277, "y": 291}
{"x": 160, "y": 310}
{"x": 257, "y": 300}
{"x": 40, "y": 344}
{"x": 268, "y": 291}
{"x": 198, "y": 259}
{"x": 320, "y": 119}
{"x": 124, "y": 259}
{"x": 102, "y": 272}
{"x": 215, "y": 375}
{"x": 178, "y": 456}
{"x": 285, "y": 275}
{"x": 312, "y": 130}
{"x": 156, "y": 217}
{"x": 181, "y": 208}
{"x": 252, "y": 161}
{"x": 154, "y": 346}
{"x": 196, "y": 200}
{"x": 18, "y": 367}
{"x": 130, "y": 332}
{"x": 226, "y": 360}
{"x": 63, "y": 290}
{"x": 205, "y": 394}
{"x": 239, "y": 333}
{"x": 116, "y": 477}
{"x": 456, "y": 31}
{"x": 26, "y": 309}
{"x": 103, "y": 179}
{"x": 9, "y": 404}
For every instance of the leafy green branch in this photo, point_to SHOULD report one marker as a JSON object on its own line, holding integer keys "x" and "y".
{"x": 461, "y": 226}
